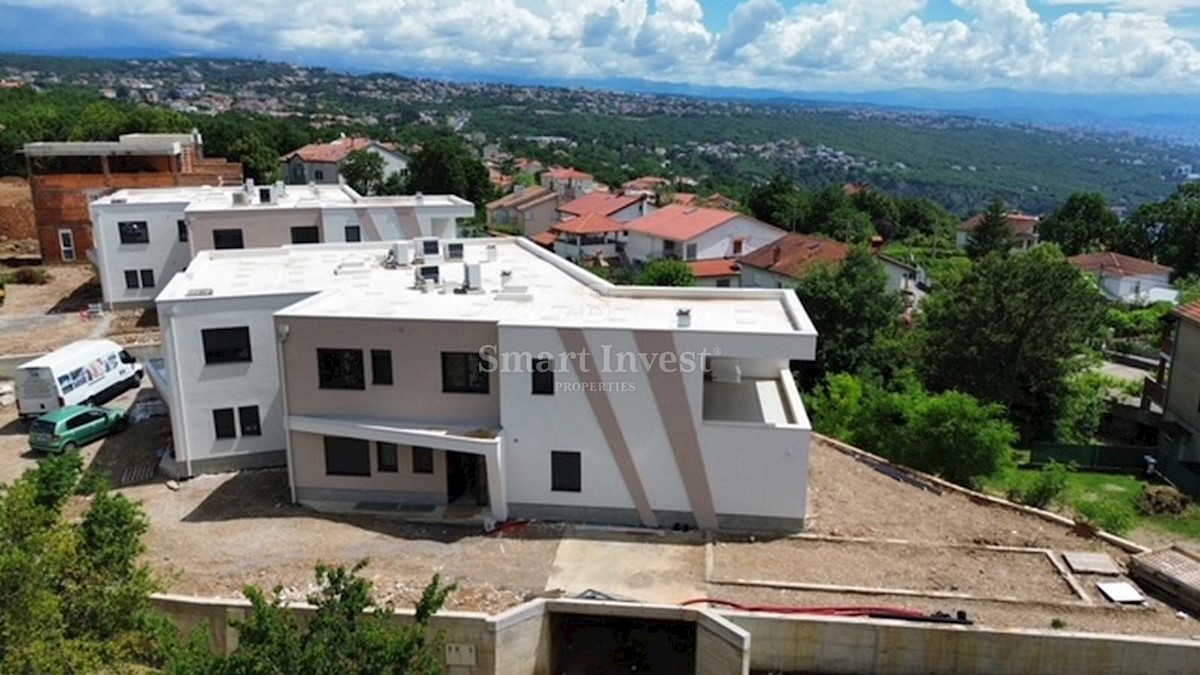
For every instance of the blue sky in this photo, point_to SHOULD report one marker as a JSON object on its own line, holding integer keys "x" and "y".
{"x": 1127, "y": 46}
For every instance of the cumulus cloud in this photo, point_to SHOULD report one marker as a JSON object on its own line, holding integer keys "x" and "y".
{"x": 847, "y": 45}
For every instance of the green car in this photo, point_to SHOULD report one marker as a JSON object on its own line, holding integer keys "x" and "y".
{"x": 68, "y": 428}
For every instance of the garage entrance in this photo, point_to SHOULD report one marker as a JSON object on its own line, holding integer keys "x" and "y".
{"x": 601, "y": 645}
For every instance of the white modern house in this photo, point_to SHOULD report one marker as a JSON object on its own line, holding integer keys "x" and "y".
{"x": 1123, "y": 278}
{"x": 143, "y": 237}
{"x": 489, "y": 374}
{"x": 696, "y": 233}
{"x": 321, "y": 162}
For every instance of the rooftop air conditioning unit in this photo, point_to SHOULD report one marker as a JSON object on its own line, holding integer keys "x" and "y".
{"x": 473, "y": 278}
{"x": 430, "y": 273}
{"x": 240, "y": 199}
{"x": 399, "y": 254}
{"x": 454, "y": 251}
{"x": 429, "y": 249}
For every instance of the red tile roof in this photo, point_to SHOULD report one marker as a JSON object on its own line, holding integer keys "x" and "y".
{"x": 795, "y": 255}
{"x": 545, "y": 238}
{"x": 717, "y": 267}
{"x": 648, "y": 183}
{"x": 567, "y": 173}
{"x": 684, "y": 198}
{"x": 1022, "y": 224}
{"x": 599, "y": 202}
{"x": 1118, "y": 265}
{"x": 1191, "y": 312}
{"x": 589, "y": 223}
{"x": 332, "y": 152}
{"x": 678, "y": 222}
{"x": 524, "y": 199}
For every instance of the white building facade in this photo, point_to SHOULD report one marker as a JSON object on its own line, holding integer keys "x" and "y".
{"x": 491, "y": 373}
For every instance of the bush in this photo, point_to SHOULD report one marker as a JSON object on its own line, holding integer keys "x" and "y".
{"x": 1045, "y": 486}
{"x": 1163, "y": 500}
{"x": 1111, "y": 516}
{"x": 29, "y": 276}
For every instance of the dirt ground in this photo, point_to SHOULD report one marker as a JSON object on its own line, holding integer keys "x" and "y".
{"x": 17, "y": 226}
{"x": 215, "y": 534}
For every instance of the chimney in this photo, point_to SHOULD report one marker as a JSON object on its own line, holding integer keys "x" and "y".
{"x": 684, "y": 317}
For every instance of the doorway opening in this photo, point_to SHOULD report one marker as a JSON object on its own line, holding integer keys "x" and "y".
{"x": 466, "y": 479}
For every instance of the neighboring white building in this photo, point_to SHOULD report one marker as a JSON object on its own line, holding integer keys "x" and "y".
{"x": 143, "y": 237}
{"x": 1024, "y": 226}
{"x": 626, "y": 405}
{"x": 321, "y": 162}
{"x": 696, "y": 233}
{"x": 1126, "y": 279}
{"x": 567, "y": 182}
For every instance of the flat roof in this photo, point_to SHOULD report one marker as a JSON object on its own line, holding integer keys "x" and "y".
{"x": 209, "y": 198}
{"x": 350, "y": 281}
{"x": 128, "y": 144}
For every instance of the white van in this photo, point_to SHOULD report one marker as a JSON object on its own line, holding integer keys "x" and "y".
{"x": 88, "y": 372}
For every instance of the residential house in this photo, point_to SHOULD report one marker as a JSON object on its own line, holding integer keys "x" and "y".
{"x": 1126, "y": 279}
{"x": 144, "y": 237}
{"x": 620, "y": 207}
{"x": 717, "y": 272}
{"x": 1175, "y": 387}
{"x": 782, "y": 262}
{"x": 65, "y": 177}
{"x": 379, "y": 379}
{"x": 1025, "y": 229}
{"x": 696, "y": 233}
{"x": 533, "y": 210}
{"x": 645, "y": 186}
{"x": 719, "y": 201}
{"x": 592, "y": 236}
{"x": 321, "y": 162}
{"x": 567, "y": 182}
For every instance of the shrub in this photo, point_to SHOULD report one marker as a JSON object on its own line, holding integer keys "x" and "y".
{"x": 1112, "y": 516}
{"x": 1044, "y": 487}
{"x": 1163, "y": 500}
{"x": 30, "y": 276}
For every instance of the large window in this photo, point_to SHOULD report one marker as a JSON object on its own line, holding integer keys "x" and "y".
{"x": 226, "y": 345}
{"x": 223, "y": 423}
{"x": 462, "y": 372}
{"x": 543, "y": 376}
{"x": 181, "y": 226}
{"x": 353, "y": 233}
{"x": 248, "y": 420}
{"x": 422, "y": 460}
{"x": 224, "y": 239}
{"x": 387, "y": 457}
{"x": 306, "y": 235}
{"x": 136, "y": 232}
{"x": 565, "y": 471}
{"x": 347, "y": 456}
{"x": 340, "y": 368}
{"x": 139, "y": 279}
{"x": 381, "y": 366}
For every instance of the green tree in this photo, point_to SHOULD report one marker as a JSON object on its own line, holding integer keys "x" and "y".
{"x": 443, "y": 166}
{"x": 1083, "y": 224}
{"x": 259, "y": 160}
{"x": 853, "y": 311}
{"x": 846, "y": 224}
{"x": 920, "y": 216}
{"x": 363, "y": 171}
{"x": 349, "y": 633}
{"x": 777, "y": 202}
{"x": 879, "y": 207}
{"x": 994, "y": 234}
{"x": 1010, "y": 332}
{"x": 99, "y": 121}
{"x": 1167, "y": 231}
{"x": 666, "y": 272}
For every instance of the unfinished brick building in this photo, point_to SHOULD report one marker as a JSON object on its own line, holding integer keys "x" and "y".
{"x": 65, "y": 177}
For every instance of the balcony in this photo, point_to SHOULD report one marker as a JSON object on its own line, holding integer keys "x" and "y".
{"x": 735, "y": 394}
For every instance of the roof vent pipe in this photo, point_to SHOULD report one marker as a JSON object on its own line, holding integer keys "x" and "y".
{"x": 505, "y": 278}
{"x": 491, "y": 253}
{"x": 684, "y": 317}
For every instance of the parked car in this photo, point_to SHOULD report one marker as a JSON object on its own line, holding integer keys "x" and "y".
{"x": 90, "y": 372}
{"x": 74, "y": 426}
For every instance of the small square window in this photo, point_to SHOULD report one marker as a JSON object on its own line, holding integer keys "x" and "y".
{"x": 463, "y": 372}
{"x": 689, "y": 252}
{"x": 223, "y": 423}
{"x": 319, "y": 174}
{"x": 307, "y": 234}
{"x": 134, "y": 232}
{"x": 181, "y": 225}
{"x": 226, "y": 345}
{"x": 347, "y": 456}
{"x": 147, "y": 278}
{"x": 340, "y": 369}
{"x": 387, "y": 457}
{"x": 353, "y": 233}
{"x": 381, "y": 366}
{"x": 543, "y": 376}
{"x": 248, "y": 420}
{"x": 422, "y": 460}
{"x": 228, "y": 239}
{"x": 565, "y": 471}
{"x": 131, "y": 279}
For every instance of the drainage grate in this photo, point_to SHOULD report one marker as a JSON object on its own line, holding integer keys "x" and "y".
{"x": 138, "y": 473}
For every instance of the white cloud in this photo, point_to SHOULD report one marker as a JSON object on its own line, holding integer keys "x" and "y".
{"x": 1105, "y": 45}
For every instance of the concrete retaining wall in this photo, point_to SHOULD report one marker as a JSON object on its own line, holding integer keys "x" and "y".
{"x": 10, "y": 363}
{"x": 793, "y": 644}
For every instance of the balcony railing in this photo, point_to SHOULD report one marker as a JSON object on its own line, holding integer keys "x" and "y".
{"x": 1154, "y": 391}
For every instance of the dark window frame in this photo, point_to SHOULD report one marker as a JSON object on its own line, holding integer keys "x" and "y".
{"x": 133, "y": 280}
{"x": 566, "y": 471}
{"x": 353, "y": 379}
{"x": 390, "y": 452}
{"x": 224, "y": 423}
{"x": 133, "y": 231}
{"x": 381, "y": 367}
{"x": 339, "y": 448}
{"x": 357, "y": 230}
{"x": 218, "y": 234}
{"x": 147, "y": 278}
{"x": 542, "y": 377}
{"x": 311, "y": 234}
{"x": 464, "y": 385}
{"x": 181, "y": 226}
{"x": 422, "y": 460}
{"x": 218, "y": 354}
{"x": 249, "y": 421}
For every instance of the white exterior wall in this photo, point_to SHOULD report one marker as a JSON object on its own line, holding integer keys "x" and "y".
{"x": 1128, "y": 287}
{"x": 715, "y": 243}
{"x": 392, "y": 162}
{"x": 197, "y": 388}
{"x": 165, "y": 255}
{"x": 634, "y": 211}
{"x": 753, "y": 277}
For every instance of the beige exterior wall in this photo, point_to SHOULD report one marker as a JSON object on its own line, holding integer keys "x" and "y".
{"x": 308, "y": 454}
{"x": 1183, "y": 385}
{"x": 267, "y": 229}
{"x": 538, "y": 219}
{"x": 416, "y": 348}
